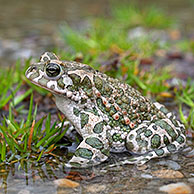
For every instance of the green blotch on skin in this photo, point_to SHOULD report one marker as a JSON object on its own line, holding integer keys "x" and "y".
{"x": 164, "y": 110}
{"x": 140, "y": 130}
{"x": 75, "y": 164}
{"x": 107, "y": 90}
{"x": 180, "y": 139}
{"x": 76, "y": 111}
{"x": 86, "y": 83}
{"x": 98, "y": 83}
{"x": 106, "y": 152}
{"x": 75, "y": 78}
{"x": 43, "y": 81}
{"x": 167, "y": 127}
{"x": 100, "y": 105}
{"x": 84, "y": 153}
{"x": 129, "y": 146}
{"x": 159, "y": 152}
{"x": 34, "y": 75}
{"x": 94, "y": 142}
{"x": 98, "y": 128}
{"x": 84, "y": 119}
{"x": 148, "y": 133}
{"x": 60, "y": 83}
{"x": 155, "y": 141}
{"x": 171, "y": 148}
{"x": 166, "y": 140}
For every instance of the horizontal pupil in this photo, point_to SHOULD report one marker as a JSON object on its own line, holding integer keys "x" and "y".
{"x": 52, "y": 69}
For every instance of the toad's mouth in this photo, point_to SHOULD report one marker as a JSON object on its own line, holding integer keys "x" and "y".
{"x": 46, "y": 88}
{"x": 75, "y": 96}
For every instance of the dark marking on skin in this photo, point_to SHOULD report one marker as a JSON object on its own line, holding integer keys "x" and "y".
{"x": 159, "y": 152}
{"x": 148, "y": 133}
{"x": 94, "y": 142}
{"x": 106, "y": 152}
{"x": 84, "y": 153}
{"x": 98, "y": 83}
{"x": 155, "y": 141}
{"x": 164, "y": 125}
{"x": 98, "y": 128}
{"x": 75, "y": 164}
{"x": 129, "y": 146}
{"x": 84, "y": 119}
{"x": 171, "y": 148}
{"x": 75, "y": 78}
{"x": 76, "y": 111}
{"x": 60, "y": 83}
{"x": 86, "y": 83}
{"x": 180, "y": 139}
{"x": 166, "y": 140}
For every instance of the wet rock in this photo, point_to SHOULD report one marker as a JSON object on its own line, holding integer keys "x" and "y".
{"x": 190, "y": 154}
{"x": 171, "y": 164}
{"x": 176, "y": 188}
{"x": 66, "y": 183}
{"x": 191, "y": 180}
{"x": 167, "y": 174}
{"x": 146, "y": 176}
{"x": 95, "y": 188}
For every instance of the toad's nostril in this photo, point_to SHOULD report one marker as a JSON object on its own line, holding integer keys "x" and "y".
{"x": 33, "y": 69}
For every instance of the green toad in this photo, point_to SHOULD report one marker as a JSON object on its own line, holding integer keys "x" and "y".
{"x": 111, "y": 116}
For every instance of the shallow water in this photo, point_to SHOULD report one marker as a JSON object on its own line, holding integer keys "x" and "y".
{"x": 101, "y": 179}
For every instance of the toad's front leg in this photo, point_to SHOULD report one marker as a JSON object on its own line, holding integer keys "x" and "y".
{"x": 94, "y": 147}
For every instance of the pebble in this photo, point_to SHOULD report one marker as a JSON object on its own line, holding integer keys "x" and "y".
{"x": 95, "y": 188}
{"x": 66, "y": 183}
{"x": 171, "y": 164}
{"x": 167, "y": 174}
{"x": 190, "y": 154}
{"x": 191, "y": 180}
{"x": 176, "y": 188}
{"x": 146, "y": 176}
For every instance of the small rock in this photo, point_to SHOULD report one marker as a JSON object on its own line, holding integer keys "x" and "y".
{"x": 95, "y": 188}
{"x": 190, "y": 154}
{"x": 167, "y": 174}
{"x": 146, "y": 176}
{"x": 171, "y": 164}
{"x": 66, "y": 183}
{"x": 191, "y": 180}
{"x": 176, "y": 188}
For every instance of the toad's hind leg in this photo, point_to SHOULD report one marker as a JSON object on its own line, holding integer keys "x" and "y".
{"x": 153, "y": 140}
{"x": 156, "y": 153}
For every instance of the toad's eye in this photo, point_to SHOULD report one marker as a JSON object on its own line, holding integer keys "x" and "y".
{"x": 53, "y": 70}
